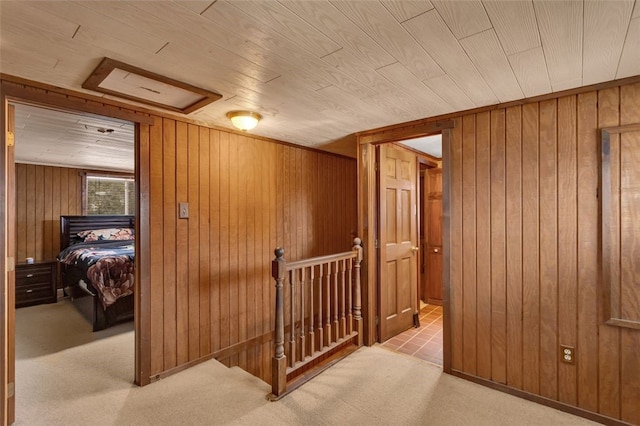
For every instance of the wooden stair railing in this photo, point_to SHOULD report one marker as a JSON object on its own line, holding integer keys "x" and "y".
{"x": 318, "y": 311}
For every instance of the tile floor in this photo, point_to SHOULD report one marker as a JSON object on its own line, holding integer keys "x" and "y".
{"x": 424, "y": 342}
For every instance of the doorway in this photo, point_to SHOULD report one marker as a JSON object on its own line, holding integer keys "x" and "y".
{"x": 424, "y": 339}
{"x": 37, "y": 180}
{"x": 370, "y": 224}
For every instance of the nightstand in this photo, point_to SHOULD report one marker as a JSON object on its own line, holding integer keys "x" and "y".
{"x": 36, "y": 283}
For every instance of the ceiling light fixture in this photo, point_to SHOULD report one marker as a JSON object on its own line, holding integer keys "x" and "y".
{"x": 244, "y": 120}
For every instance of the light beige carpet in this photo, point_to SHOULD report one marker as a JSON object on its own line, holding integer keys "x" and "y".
{"x": 67, "y": 375}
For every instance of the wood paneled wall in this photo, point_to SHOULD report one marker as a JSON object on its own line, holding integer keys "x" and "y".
{"x": 211, "y": 291}
{"x": 525, "y": 252}
{"x": 43, "y": 194}
{"x": 206, "y": 280}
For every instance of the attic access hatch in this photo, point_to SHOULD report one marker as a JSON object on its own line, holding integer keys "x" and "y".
{"x": 126, "y": 81}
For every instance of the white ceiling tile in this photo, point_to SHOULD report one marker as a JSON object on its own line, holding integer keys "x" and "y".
{"x": 326, "y": 18}
{"x": 515, "y": 24}
{"x": 434, "y": 36}
{"x": 449, "y": 90}
{"x": 463, "y": 17}
{"x": 404, "y": 10}
{"x": 281, "y": 20}
{"x": 630, "y": 60}
{"x": 530, "y": 70}
{"x": 560, "y": 24}
{"x": 605, "y": 30}
{"x": 486, "y": 53}
{"x": 378, "y": 23}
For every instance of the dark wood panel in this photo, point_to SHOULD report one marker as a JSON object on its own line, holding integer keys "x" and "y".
{"x": 455, "y": 237}
{"x": 587, "y": 243}
{"x": 514, "y": 245}
{"x": 549, "y": 350}
{"x": 530, "y": 250}
{"x": 630, "y": 294}
{"x": 483, "y": 255}
{"x": 567, "y": 244}
{"x": 609, "y": 337}
{"x": 169, "y": 226}
{"x": 469, "y": 247}
{"x": 498, "y": 248}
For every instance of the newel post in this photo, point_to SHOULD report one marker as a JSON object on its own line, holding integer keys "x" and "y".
{"x": 279, "y": 361}
{"x": 357, "y": 302}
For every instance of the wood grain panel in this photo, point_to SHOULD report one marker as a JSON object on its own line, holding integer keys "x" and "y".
{"x": 548, "y": 250}
{"x": 630, "y": 338}
{"x": 456, "y": 247}
{"x": 156, "y": 242}
{"x": 469, "y": 248}
{"x": 169, "y": 226}
{"x": 514, "y": 245}
{"x": 530, "y": 250}
{"x": 609, "y": 337}
{"x": 567, "y": 243}
{"x": 182, "y": 235}
{"x": 204, "y": 264}
{"x": 193, "y": 196}
{"x": 483, "y": 242}
{"x": 587, "y": 261}
{"x": 498, "y": 249}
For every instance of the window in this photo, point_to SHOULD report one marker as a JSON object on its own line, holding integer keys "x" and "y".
{"x": 109, "y": 195}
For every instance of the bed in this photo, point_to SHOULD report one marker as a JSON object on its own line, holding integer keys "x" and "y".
{"x": 97, "y": 260}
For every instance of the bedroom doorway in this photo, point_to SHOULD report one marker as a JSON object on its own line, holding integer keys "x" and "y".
{"x": 40, "y": 188}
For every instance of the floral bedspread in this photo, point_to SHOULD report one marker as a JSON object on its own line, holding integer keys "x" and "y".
{"x": 108, "y": 265}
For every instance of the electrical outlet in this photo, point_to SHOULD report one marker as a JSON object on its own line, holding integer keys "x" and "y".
{"x": 567, "y": 354}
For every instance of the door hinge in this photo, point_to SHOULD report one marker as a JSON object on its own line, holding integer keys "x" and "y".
{"x": 376, "y": 243}
{"x": 11, "y": 389}
{"x": 11, "y": 139}
{"x": 377, "y": 320}
{"x": 376, "y": 166}
{"x": 11, "y": 264}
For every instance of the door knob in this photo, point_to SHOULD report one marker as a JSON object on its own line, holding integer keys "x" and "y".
{"x": 414, "y": 249}
{"x": 435, "y": 250}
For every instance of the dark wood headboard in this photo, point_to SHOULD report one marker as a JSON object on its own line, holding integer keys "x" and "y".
{"x": 71, "y": 225}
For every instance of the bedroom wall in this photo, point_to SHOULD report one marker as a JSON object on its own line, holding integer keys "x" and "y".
{"x": 524, "y": 252}
{"x": 43, "y": 194}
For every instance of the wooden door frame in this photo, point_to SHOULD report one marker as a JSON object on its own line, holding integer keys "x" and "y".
{"x": 65, "y": 100}
{"x": 368, "y": 218}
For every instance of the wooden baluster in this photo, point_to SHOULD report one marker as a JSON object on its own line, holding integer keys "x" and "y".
{"x": 327, "y": 307}
{"x": 343, "y": 315}
{"x": 336, "y": 297}
{"x": 357, "y": 303}
{"x": 350, "y": 296}
{"x": 292, "y": 334}
{"x": 312, "y": 337}
{"x": 320, "y": 323}
{"x": 279, "y": 361}
{"x": 303, "y": 331}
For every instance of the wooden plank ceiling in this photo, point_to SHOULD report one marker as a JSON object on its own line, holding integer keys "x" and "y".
{"x": 321, "y": 70}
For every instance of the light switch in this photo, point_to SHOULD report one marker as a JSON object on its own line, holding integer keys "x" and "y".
{"x": 183, "y": 210}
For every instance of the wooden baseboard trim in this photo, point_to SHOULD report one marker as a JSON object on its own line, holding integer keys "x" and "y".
{"x": 590, "y": 415}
